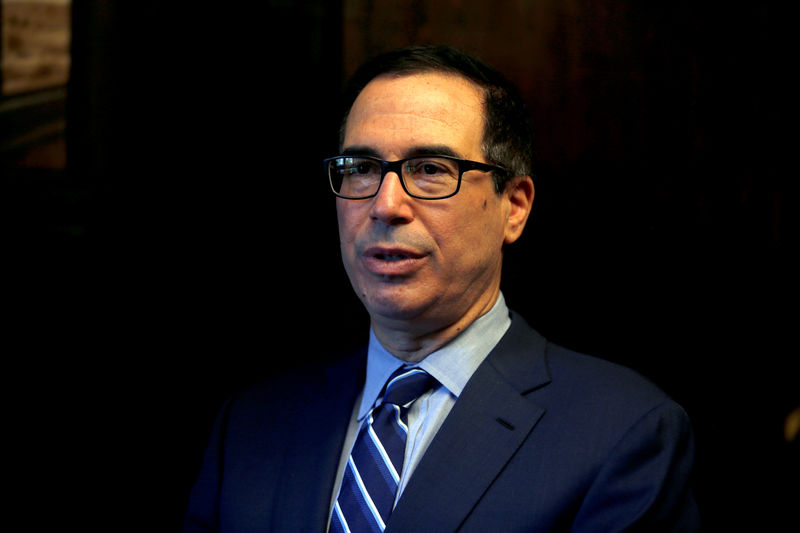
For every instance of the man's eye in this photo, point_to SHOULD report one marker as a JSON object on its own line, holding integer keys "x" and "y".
{"x": 430, "y": 169}
{"x": 363, "y": 168}
{"x": 360, "y": 169}
{"x": 424, "y": 168}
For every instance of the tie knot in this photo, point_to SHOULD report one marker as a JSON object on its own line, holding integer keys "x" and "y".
{"x": 406, "y": 385}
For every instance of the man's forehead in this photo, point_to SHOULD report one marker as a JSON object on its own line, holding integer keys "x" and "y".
{"x": 440, "y": 88}
{"x": 417, "y": 110}
{"x": 411, "y": 151}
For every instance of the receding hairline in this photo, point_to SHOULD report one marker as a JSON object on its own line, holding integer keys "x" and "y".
{"x": 418, "y": 70}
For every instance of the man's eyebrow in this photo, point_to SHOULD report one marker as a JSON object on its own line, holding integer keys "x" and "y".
{"x": 361, "y": 150}
{"x": 436, "y": 149}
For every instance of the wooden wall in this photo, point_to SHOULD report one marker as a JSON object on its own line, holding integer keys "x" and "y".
{"x": 36, "y": 42}
{"x": 34, "y": 71}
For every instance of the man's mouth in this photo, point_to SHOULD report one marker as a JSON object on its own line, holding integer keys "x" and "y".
{"x": 392, "y": 253}
{"x": 391, "y": 257}
{"x": 392, "y": 261}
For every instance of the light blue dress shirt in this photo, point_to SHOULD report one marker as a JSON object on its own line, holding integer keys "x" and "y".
{"x": 452, "y": 365}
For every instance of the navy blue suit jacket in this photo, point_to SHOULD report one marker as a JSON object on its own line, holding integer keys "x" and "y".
{"x": 541, "y": 439}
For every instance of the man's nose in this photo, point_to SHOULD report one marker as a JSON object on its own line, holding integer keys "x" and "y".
{"x": 392, "y": 205}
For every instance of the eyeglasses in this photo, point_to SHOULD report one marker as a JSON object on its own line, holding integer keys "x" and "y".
{"x": 425, "y": 177}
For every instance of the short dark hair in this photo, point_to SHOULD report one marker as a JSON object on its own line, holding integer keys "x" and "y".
{"x": 507, "y": 135}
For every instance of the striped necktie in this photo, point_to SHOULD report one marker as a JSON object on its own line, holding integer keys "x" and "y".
{"x": 372, "y": 475}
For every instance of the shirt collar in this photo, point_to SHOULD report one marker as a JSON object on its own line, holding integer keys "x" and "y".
{"x": 452, "y": 364}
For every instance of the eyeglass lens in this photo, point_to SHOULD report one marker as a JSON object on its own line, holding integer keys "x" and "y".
{"x": 426, "y": 177}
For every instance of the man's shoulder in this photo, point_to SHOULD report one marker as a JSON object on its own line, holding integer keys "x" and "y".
{"x": 598, "y": 376}
{"x": 301, "y": 382}
{"x": 586, "y": 381}
{"x": 267, "y": 410}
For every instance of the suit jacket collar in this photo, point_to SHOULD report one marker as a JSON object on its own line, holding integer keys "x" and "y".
{"x": 521, "y": 357}
{"x": 486, "y": 426}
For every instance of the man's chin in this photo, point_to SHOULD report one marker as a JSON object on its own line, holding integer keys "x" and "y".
{"x": 384, "y": 307}
{"x": 393, "y": 313}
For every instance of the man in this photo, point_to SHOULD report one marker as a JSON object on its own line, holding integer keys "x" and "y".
{"x": 508, "y": 432}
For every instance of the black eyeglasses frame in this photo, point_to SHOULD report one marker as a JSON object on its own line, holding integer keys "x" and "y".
{"x": 464, "y": 165}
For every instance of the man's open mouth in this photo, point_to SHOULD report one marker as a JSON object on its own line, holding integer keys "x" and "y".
{"x": 391, "y": 257}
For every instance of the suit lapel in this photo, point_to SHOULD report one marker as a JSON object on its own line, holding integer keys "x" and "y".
{"x": 309, "y": 469}
{"x": 488, "y": 423}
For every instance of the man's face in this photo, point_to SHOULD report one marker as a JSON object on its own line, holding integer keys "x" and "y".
{"x": 422, "y": 264}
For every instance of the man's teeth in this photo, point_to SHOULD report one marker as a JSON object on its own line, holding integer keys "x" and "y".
{"x": 391, "y": 257}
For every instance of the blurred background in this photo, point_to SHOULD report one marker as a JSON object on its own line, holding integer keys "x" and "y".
{"x": 168, "y": 236}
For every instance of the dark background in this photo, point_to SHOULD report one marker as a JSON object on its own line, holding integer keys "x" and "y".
{"x": 189, "y": 246}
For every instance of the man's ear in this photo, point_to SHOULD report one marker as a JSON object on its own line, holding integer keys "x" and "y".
{"x": 520, "y": 192}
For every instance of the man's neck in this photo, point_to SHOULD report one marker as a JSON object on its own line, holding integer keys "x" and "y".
{"x": 413, "y": 341}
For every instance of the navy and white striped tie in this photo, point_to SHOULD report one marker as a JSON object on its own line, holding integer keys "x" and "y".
{"x": 368, "y": 490}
